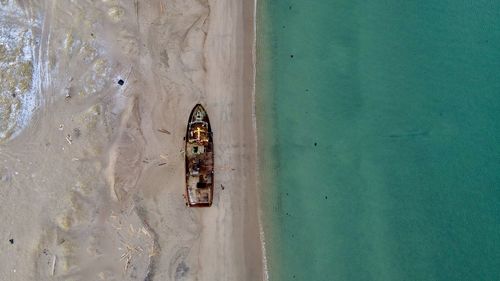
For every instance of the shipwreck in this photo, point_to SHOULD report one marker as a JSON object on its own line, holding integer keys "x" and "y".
{"x": 199, "y": 159}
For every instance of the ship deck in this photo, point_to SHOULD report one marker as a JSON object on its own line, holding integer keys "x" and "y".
{"x": 199, "y": 160}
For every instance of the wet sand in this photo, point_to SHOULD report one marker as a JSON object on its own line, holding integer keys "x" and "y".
{"x": 92, "y": 172}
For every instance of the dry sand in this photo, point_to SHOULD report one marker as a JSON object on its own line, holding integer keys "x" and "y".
{"x": 92, "y": 172}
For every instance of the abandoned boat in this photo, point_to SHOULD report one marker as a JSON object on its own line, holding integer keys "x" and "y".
{"x": 199, "y": 159}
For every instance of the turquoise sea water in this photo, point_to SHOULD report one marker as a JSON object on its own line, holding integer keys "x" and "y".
{"x": 379, "y": 134}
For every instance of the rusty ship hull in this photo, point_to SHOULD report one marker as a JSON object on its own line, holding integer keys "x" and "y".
{"x": 199, "y": 159}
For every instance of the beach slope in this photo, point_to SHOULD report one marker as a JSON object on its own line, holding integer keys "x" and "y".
{"x": 92, "y": 178}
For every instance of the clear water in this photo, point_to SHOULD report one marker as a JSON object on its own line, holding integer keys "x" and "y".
{"x": 380, "y": 139}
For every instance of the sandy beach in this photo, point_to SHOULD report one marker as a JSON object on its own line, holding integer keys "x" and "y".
{"x": 94, "y": 100}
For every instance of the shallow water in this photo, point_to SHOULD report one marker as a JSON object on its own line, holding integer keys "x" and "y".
{"x": 380, "y": 139}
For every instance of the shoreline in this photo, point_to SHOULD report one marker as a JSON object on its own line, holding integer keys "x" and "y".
{"x": 259, "y": 180}
{"x": 264, "y": 123}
